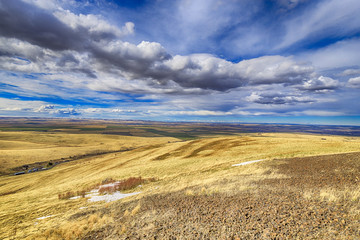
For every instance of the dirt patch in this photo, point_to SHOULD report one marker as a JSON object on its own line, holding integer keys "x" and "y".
{"x": 335, "y": 171}
{"x": 266, "y": 215}
{"x": 277, "y": 209}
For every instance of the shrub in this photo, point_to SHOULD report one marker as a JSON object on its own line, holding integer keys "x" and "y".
{"x": 124, "y": 185}
{"x": 112, "y": 186}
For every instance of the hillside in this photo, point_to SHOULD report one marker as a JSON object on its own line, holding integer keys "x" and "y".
{"x": 189, "y": 187}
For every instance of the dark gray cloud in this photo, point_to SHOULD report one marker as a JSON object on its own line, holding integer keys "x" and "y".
{"x": 208, "y": 72}
{"x": 29, "y": 23}
{"x": 58, "y": 32}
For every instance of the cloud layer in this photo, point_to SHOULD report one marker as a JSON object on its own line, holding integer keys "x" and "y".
{"x": 81, "y": 62}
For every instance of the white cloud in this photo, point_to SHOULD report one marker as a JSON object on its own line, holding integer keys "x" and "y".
{"x": 275, "y": 69}
{"x": 95, "y": 24}
{"x": 277, "y": 98}
{"x": 322, "y": 113}
{"x": 113, "y": 65}
{"x": 289, "y": 4}
{"x": 45, "y": 4}
{"x": 45, "y": 108}
{"x": 209, "y": 72}
{"x": 354, "y": 82}
{"x": 65, "y": 111}
{"x": 90, "y": 63}
{"x": 117, "y": 110}
{"x": 199, "y": 113}
{"x": 320, "y": 84}
{"x": 340, "y": 54}
{"x": 349, "y": 72}
{"x": 8, "y": 104}
{"x": 326, "y": 18}
{"x": 198, "y": 20}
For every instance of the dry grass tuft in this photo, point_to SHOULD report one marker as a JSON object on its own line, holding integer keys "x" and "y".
{"x": 70, "y": 194}
{"x": 334, "y": 195}
{"x": 123, "y": 229}
{"x": 189, "y": 193}
{"x": 126, "y": 213}
{"x": 77, "y": 230}
{"x": 136, "y": 209}
{"x": 124, "y": 185}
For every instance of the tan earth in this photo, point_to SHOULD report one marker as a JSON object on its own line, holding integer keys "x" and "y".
{"x": 316, "y": 201}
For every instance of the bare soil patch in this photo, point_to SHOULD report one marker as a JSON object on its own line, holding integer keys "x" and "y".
{"x": 277, "y": 209}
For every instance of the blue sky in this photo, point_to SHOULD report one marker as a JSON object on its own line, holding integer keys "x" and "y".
{"x": 288, "y": 61}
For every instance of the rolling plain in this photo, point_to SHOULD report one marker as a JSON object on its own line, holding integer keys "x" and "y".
{"x": 186, "y": 178}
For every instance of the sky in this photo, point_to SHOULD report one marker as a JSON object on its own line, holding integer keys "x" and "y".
{"x": 263, "y": 61}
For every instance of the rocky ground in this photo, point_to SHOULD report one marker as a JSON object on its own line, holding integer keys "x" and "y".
{"x": 286, "y": 208}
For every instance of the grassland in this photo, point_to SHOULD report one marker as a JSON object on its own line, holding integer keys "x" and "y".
{"x": 21, "y": 148}
{"x": 198, "y": 167}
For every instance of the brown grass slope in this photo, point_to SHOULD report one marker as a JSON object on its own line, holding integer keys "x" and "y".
{"x": 187, "y": 172}
{"x": 276, "y": 209}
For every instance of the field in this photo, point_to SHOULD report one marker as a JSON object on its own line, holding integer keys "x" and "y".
{"x": 306, "y": 186}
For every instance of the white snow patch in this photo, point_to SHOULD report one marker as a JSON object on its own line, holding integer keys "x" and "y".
{"x": 76, "y": 197}
{"x": 94, "y": 196}
{"x": 40, "y": 218}
{"x": 91, "y": 195}
{"x": 249, "y": 162}
{"x": 110, "y": 184}
{"x": 111, "y": 197}
{"x": 82, "y": 208}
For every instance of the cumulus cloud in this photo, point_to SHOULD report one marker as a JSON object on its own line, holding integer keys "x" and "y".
{"x": 60, "y": 31}
{"x": 36, "y": 26}
{"x": 66, "y": 111}
{"x": 199, "y": 113}
{"x": 320, "y": 84}
{"x": 276, "y": 98}
{"x": 354, "y": 82}
{"x": 95, "y": 26}
{"x": 117, "y": 110}
{"x": 35, "y": 107}
{"x": 45, "y": 108}
{"x": 275, "y": 69}
{"x": 208, "y": 72}
{"x": 55, "y": 110}
{"x": 350, "y": 72}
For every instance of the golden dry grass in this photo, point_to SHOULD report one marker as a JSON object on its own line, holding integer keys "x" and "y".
{"x": 203, "y": 164}
{"x": 335, "y": 195}
{"x": 20, "y": 148}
